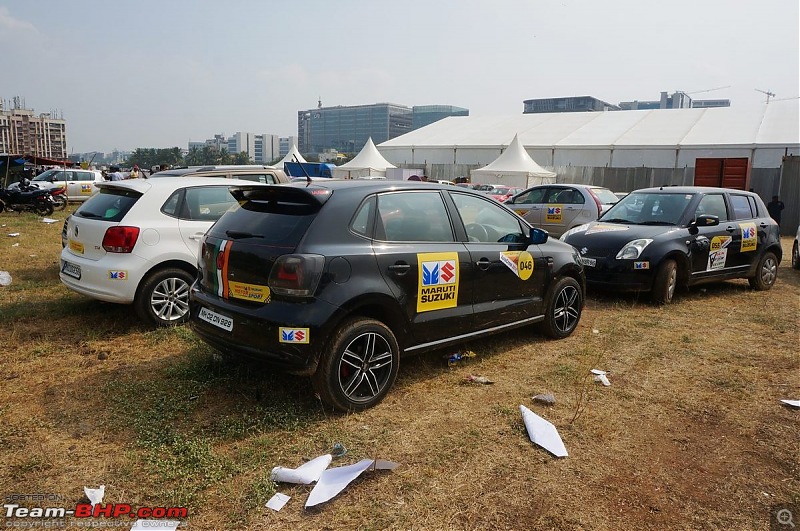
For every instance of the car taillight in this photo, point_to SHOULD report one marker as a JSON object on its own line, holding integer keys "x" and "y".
{"x": 296, "y": 275}
{"x": 120, "y": 239}
{"x": 597, "y": 202}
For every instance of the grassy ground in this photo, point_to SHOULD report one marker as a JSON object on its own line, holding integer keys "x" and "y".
{"x": 690, "y": 435}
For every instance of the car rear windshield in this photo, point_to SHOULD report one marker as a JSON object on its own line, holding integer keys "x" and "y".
{"x": 111, "y": 204}
{"x": 606, "y": 196}
{"x": 271, "y": 222}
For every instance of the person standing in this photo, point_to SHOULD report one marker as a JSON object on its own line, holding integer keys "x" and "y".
{"x": 116, "y": 174}
{"x": 134, "y": 172}
{"x": 774, "y": 208}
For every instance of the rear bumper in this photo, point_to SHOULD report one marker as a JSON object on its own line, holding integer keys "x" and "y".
{"x": 101, "y": 280}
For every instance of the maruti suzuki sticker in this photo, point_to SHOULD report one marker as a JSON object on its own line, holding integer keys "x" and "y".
{"x": 641, "y": 265}
{"x": 248, "y": 292}
{"x": 86, "y": 189}
{"x": 118, "y": 275}
{"x": 749, "y": 237}
{"x": 293, "y": 335}
{"x": 718, "y": 252}
{"x": 554, "y": 213}
{"x": 520, "y": 262}
{"x": 438, "y": 281}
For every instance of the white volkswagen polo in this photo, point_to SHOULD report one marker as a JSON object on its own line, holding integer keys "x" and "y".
{"x": 136, "y": 242}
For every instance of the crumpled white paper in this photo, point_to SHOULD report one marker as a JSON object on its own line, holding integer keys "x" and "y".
{"x": 543, "y": 433}
{"x": 304, "y": 474}
{"x": 793, "y": 403}
{"x": 95, "y": 495}
{"x": 277, "y": 502}
{"x": 5, "y": 278}
{"x": 600, "y": 376}
{"x": 335, "y": 480}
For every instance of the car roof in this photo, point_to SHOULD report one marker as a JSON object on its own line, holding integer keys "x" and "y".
{"x": 372, "y": 184}
{"x": 690, "y": 190}
{"x": 143, "y": 185}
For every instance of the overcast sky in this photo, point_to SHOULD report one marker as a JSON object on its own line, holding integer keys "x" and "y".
{"x": 149, "y": 73}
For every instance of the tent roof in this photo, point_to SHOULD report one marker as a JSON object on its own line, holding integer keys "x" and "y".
{"x": 368, "y": 157}
{"x": 290, "y": 157}
{"x": 774, "y": 124}
{"x": 515, "y": 160}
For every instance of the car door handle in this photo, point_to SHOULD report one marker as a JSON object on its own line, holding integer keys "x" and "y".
{"x": 763, "y": 225}
{"x": 197, "y": 236}
{"x": 730, "y": 229}
{"x": 483, "y": 264}
{"x": 400, "y": 268}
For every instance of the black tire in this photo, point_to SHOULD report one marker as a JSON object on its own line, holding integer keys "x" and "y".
{"x": 766, "y": 272}
{"x": 59, "y": 202}
{"x": 163, "y": 297}
{"x": 44, "y": 208}
{"x": 359, "y": 367}
{"x": 564, "y": 307}
{"x": 666, "y": 282}
{"x": 795, "y": 254}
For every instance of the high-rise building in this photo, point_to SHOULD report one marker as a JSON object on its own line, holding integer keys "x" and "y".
{"x": 676, "y": 100}
{"x": 347, "y": 129}
{"x": 567, "y": 104}
{"x": 422, "y": 115}
{"x": 285, "y": 144}
{"x": 22, "y": 132}
{"x": 266, "y": 148}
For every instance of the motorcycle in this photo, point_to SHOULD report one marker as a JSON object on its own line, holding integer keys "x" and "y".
{"x": 59, "y": 196}
{"x": 34, "y": 200}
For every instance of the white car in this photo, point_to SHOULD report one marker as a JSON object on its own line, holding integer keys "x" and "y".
{"x": 80, "y": 184}
{"x": 136, "y": 242}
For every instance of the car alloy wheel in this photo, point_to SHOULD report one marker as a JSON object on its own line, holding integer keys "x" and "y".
{"x": 766, "y": 272}
{"x": 163, "y": 298}
{"x": 564, "y": 307}
{"x": 360, "y": 368}
{"x": 665, "y": 282}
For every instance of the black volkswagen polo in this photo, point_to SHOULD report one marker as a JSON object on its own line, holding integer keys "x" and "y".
{"x": 657, "y": 239}
{"x": 339, "y": 279}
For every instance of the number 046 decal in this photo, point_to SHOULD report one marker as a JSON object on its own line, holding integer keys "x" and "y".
{"x": 520, "y": 262}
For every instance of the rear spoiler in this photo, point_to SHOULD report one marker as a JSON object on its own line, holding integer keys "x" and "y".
{"x": 282, "y": 193}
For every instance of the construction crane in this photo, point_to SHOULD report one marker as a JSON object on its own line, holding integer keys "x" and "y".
{"x": 768, "y": 93}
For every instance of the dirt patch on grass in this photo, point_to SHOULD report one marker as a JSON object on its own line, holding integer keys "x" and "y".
{"x": 690, "y": 435}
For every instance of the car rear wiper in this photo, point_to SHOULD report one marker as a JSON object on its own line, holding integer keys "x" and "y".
{"x": 89, "y": 215}
{"x": 236, "y": 234}
{"x": 656, "y": 223}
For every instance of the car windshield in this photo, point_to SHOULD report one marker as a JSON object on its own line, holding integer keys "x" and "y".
{"x": 606, "y": 196}
{"x": 649, "y": 208}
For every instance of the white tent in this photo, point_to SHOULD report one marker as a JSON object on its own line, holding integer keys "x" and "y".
{"x": 368, "y": 163}
{"x": 290, "y": 157}
{"x": 514, "y": 167}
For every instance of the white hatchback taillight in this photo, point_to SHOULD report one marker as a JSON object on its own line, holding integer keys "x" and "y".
{"x": 296, "y": 275}
{"x": 120, "y": 239}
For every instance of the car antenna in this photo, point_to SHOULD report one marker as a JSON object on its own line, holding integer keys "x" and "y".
{"x": 308, "y": 179}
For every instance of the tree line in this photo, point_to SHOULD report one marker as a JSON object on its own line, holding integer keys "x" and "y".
{"x": 205, "y": 156}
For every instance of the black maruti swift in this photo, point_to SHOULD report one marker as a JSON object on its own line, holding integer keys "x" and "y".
{"x": 338, "y": 279}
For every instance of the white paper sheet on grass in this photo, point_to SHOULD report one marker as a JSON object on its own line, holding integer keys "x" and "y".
{"x": 304, "y": 474}
{"x": 793, "y": 403}
{"x": 277, "y": 502}
{"x": 543, "y": 433}
{"x": 335, "y": 480}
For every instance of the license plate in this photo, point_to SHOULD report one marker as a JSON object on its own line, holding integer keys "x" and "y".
{"x": 226, "y": 323}
{"x": 76, "y": 247}
{"x": 589, "y": 262}
{"x": 72, "y": 270}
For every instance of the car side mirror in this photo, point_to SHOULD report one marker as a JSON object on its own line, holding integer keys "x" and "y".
{"x": 705, "y": 220}
{"x": 510, "y": 201}
{"x": 538, "y": 236}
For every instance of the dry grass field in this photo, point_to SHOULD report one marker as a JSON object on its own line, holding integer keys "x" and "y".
{"x": 690, "y": 435}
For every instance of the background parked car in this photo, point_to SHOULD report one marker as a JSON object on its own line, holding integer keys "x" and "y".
{"x": 796, "y": 250}
{"x": 499, "y": 192}
{"x": 658, "y": 239}
{"x": 80, "y": 184}
{"x": 137, "y": 242}
{"x": 337, "y": 279}
{"x": 254, "y": 173}
{"x": 559, "y": 207}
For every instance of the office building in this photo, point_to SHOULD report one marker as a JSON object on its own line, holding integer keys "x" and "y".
{"x": 676, "y": 100}
{"x": 22, "y": 132}
{"x": 422, "y": 115}
{"x": 567, "y": 104}
{"x": 347, "y": 129}
{"x": 285, "y": 144}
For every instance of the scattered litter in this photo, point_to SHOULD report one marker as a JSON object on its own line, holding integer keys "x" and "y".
{"x": 277, "y": 502}
{"x": 95, "y": 495}
{"x": 15, "y": 245}
{"x": 455, "y": 357}
{"x": 595, "y": 331}
{"x": 600, "y": 376}
{"x": 479, "y": 379}
{"x": 13, "y": 234}
{"x": 338, "y": 450}
{"x": 546, "y": 399}
{"x": 32, "y": 255}
{"x": 335, "y": 480}
{"x": 149, "y": 525}
{"x": 792, "y": 403}
{"x": 49, "y": 220}
{"x": 543, "y": 433}
{"x": 304, "y": 474}
{"x": 5, "y": 278}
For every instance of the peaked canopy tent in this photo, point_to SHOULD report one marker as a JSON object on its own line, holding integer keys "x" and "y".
{"x": 368, "y": 163}
{"x": 293, "y": 156}
{"x": 514, "y": 167}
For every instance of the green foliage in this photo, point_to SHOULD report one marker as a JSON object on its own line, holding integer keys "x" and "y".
{"x": 149, "y": 157}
